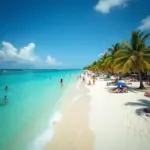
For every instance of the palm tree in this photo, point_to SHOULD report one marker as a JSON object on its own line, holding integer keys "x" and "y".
{"x": 134, "y": 55}
{"x": 102, "y": 63}
{"x": 109, "y": 62}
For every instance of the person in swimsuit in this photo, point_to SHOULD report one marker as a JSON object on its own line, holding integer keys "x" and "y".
{"x": 83, "y": 78}
{"x": 6, "y": 87}
{"x": 89, "y": 82}
{"x": 61, "y": 82}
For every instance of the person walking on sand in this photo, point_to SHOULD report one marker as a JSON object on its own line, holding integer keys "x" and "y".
{"x": 93, "y": 80}
{"x": 61, "y": 82}
{"x": 89, "y": 82}
{"x": 83, "y": 78}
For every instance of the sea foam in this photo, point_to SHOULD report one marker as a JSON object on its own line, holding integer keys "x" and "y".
{"x": 40, "y": 142}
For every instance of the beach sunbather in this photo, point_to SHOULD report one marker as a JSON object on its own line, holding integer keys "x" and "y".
{"x": 124, "y": 89}
{"x": 147, "y": 94}
{"x": 119, "y": 89}
{"x": 115, "y": 90}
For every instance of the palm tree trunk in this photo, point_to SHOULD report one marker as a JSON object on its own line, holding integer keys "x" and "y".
{"x": 119, "y": 76}
{"x": 141, "y": 81}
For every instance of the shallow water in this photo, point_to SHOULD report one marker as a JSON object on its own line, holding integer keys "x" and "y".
{"x": 32, "y": 99}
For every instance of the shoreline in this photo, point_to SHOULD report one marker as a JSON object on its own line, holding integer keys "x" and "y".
{"x": 39, "y": 143}
{"x": 42, "y": 126}
{"x": 72, "y": 131}
{"x": 94, "y": 119}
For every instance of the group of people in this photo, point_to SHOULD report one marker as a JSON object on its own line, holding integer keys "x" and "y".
{"x": 5, "y": 97}
{"x": 119, "y": 89}
{"x": 93, "y": 80}
{"x": 131, "y": 79}
{"x": 87, "y": 76}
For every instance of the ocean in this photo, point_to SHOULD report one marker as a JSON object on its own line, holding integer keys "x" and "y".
{"x": 32, "y": 106}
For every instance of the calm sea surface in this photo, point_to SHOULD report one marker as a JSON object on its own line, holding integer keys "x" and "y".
{"x": 32, "y": 99}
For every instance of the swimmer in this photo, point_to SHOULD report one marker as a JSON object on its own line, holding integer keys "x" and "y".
{"x": 61, "y": 82}
{"x": 4, "y": 102}
{"x": 6, "y": 87}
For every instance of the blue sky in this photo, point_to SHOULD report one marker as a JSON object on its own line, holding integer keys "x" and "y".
{"x": 65, "y": 33}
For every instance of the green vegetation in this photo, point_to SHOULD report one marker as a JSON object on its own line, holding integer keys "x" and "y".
{"x": 125, "y": 57}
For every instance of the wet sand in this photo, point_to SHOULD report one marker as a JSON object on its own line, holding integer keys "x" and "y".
{"x": 73, "y": 132}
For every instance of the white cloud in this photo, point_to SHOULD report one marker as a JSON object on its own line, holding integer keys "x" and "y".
{"x": 24, "y": 57}
{"x": 9, "y": 53}
{"x": 145, "y": 24}
{"x": 101, "y": 54}
{"x": 52, "y": 61}
{"x": 104, "y": 6}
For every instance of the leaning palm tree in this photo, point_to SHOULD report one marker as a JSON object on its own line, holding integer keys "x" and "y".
{"x": 109, "y": 61}
{"x": 134, "y": 55}
{"x": 102, "y": 63}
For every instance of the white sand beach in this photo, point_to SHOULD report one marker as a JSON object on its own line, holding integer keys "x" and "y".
{"x": 114, "y": 121}
{"x": 94, "y": 119}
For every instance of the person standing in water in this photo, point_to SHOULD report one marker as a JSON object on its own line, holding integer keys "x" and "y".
{"x": 6, "y": 88}
{"x": 61, "y": 82}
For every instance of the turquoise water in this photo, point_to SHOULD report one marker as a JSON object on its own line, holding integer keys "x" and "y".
{"x": 32, "y": 98}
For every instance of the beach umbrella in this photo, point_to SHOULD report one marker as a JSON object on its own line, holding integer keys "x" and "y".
{"x": 120, "y": 84}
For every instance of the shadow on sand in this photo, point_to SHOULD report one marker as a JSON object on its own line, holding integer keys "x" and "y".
{"x": 141, "y": 102}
